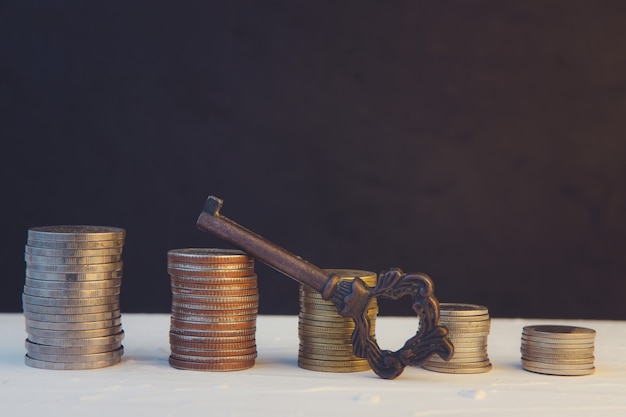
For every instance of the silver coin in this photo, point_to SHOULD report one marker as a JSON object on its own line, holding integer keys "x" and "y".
{"x": 555, "y": 344}
{"x": 207, "y": 255}
{"x": 558, "y": 361}
{"x": 560, "y": 372}
{"x": 35, "y": 363}
{"x": 66, "y": 261}
{"x": 75, "y": 245}
{"x": 37, "y": 348}
{"x": 34, "y": 308}
{"x": 65, "y": 285}
{"x": 71, "y": 253}
{"x": 84, "y": 358}
{"x": 69, "y": 302}
{"x": 40, "y": 334}
{"x": 76, "y": 233}
{"x": 88, "y": 325}
{"x": 76, "y": 342}
{"x": 73, "y": 277}
{"x": 41, "y": 292}
{"x": 562, "y": 353}
{"x": 80, "y": 269}
{"x": 557, "y": 367}
{"x": 72, "y": 318}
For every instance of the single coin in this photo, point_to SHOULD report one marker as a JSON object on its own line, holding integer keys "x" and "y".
{"x": 333, "y": 369}
{"x": 73, "y": 334}
{"x": 481, "y": 354}
{"x": 557, "y": 342}
{"x": 207, "y": 255}
{"x": 72, "y": 276}
{"x": 222, "y": 366}
{"x": 551, "y": 366}
{"x": 218, "y": 284}
{"x": 322, "y": 347}
{"x": 557, "y": 331}
{"x": 217, "y": 323}
{"x": 72, "y": 318}
{"x": 214, "y": 333}
{"x": 202, "y": 354}
{"x": 558, "y": 361}
{"x": 178, "y": 309}
{"x": 305, "y": 338}
{"x": 213, "y": 359}
{"x": 76, "y": 233}
{"x": 211, "y": 299}
{"x": 66, "y": 261}
{"x": 218, "y": 318}
{"x": 334, "y": 364}
{"x": 189, "y": 267}
{"x": 71, "y": 253}
{"x": 232, "y": 338}
{"x": 461, "y": 309}
{"x": 327, "y": 324}
{"x": 325, "y": 319}
{"x": 70, "y": 302}
{"x": 476, "y": 370}
{"x": 89, "y": 325}
{"x": 76, "y": 342}
{"x": 34, "y": 308}
{"x": 35, "y": 363}
{"x": 330, "y": 331}
{"x": 202, "y": 274}
{"x": 351, "y": 273}
{"x": 68, "y": 350}
{"x": 65, "y": 285}
{"x": 479, "y": 358}
{"x": 533, "y": 345}
{"x": 92, "y": 357}
{"x": 79, "y": 269}
{"x": 558, "y": 352}
{"x": 307, "y": 354}
{"x": 559, "y": 372}
{"x": 41, "y": 292}
{"x": 212, "y": 292}
{"x": 79, "y": 245}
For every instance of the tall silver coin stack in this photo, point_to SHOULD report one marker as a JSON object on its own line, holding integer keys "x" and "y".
{"x": 468, "y": 326}
{"x": 71, "y": 297}
{"x": 325, "y": 336}
{"x": 558, "y": 350}
{"x": 215, "y": 302}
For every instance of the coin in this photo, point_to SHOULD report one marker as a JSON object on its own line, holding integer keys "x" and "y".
{"x": 182, "y": 274}
{"x": 224, "y": 365}
{"x": 73, "y": 334}
{"x": 560, "y": 332}
{"x": 76, "y": 233}
{"x": 69, "y": 350}
{"x": 65, "y": 285}
{"x": 69, "y": 302}
{"x": 468, "y": 370}
{"x": 216, "y": 323}
{"x": 90, "y": 325}
{"x": 75, "y": 341}
{"x": 186, "y": 291}
{"x": 78, "y": 261}
{"x": 41, "y": 292}
{"x": 74, "y": 245}
{"x": 72, "y": 276}
{"x": 79, "y": 269}
{"x": 71, "y": 253}
{"x": 35, "y": 363}
{"x": 72, "y": 318}
{"x": 207, "y": 255}
{"x": 34, "y": 308}
{"x": 190, "y": 268}
{"x": 80, "y": 358}
{"x": 461, "y": 310}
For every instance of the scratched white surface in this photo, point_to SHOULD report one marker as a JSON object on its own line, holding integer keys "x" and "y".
{"x": 144, "y": 384}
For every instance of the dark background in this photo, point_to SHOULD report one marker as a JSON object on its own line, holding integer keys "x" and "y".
{"x": 479, "y": 142}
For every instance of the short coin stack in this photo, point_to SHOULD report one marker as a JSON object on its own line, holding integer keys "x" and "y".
{"x": 558, "y": 350}
{"x": 215, "y": 303}
{"x": 468, "y": 326}
{"x": 71, "y": 297}
{"x": 325, "y": 343}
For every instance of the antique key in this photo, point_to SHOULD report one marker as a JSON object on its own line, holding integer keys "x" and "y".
{"x": 350, "y": 297}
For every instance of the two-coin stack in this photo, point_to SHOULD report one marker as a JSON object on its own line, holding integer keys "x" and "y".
{"x": 558, "y": 350}
{"x": 215, "y": 303}
{"x": 468, "y": 326}
{"x": 71, "y": 297}
{"x": 325, "y": 343}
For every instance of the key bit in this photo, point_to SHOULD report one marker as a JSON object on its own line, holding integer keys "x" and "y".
{"x": 351, "y": 298}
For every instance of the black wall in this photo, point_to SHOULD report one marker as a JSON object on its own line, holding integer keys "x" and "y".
{"x": 479, "y": 142}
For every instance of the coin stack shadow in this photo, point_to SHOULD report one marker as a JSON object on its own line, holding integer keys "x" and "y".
{"x": 325, "y": 335}
{"x": 468, "y": 326}
{"x": 71, "y": 297}
{"x": 558, "y": 350}
{"x": 215, "y": 302}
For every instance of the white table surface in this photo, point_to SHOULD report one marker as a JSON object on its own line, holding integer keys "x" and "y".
{"x": 145, "y": 385}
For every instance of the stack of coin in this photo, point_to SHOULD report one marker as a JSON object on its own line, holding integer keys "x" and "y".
{"x": 558, "y": 350}
{"x": 325, "y": 336}
{"x": 215, "y": 303}
{"x": 71, "y": 297}
{"x": 468, "y": 326}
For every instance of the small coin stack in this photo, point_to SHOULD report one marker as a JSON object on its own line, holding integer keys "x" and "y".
{"x": 71, "y": 297}
{"x": 558, "y": 350}
{"x": 468, "y": 326}
{"x": 215, "y": 302}
{"x": 325, "y": 336}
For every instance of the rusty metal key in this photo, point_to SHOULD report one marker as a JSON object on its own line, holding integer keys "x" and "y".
{"x": 351, "y": 298}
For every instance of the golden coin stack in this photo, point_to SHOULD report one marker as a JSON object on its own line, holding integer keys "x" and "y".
{"x": 558, "y": 350}
{"x": 325, "y": 336}
{"x": 468, "y": 327}
{"x": 215, "y": 302}
{"x": 71, "y": 297}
